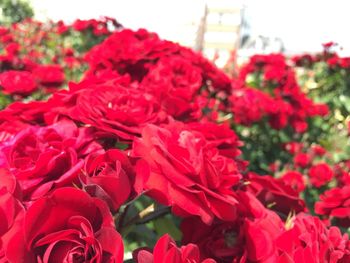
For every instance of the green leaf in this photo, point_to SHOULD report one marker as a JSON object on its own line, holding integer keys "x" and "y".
{"x": 165, "y": 225}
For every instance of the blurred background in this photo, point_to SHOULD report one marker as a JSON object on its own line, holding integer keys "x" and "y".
{"x": 220, "y": 29}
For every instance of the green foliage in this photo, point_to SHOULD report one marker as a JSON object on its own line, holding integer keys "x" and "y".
{"x": 263, "y": 145}
{"x": 331, "y": 86}
{"x": 14, "y": 11}
{"x": 142, "y": 222}
{"x": 4, "y": 100}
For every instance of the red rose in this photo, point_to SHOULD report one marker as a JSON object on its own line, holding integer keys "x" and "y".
{"x": 261, "y": 235}
{"x": 20, "y": 115}
{"x": 275, "y": 194}
{"x": 252, "y": 237}
{"x": 175, "y": 81}
{"x": 318, "y": 150}
{"x": 335, "y": 203}
{"x": 299, "y": 126}
{"x": 118, "y": 111}
{"x": 129, "y": 52}
{"x": 43, "y": 158}
{"x": 304, "y": 60}
{"x": 219, "y": 136}
{"x": 17, "y": 82}
{"x": 319, "y": 109}
{"x": 249, "y": 105}
{"x": 134, "y": 54}
{"x": 302, "y": 160}
{"x": 166, "y": 251}
{"x": 294, "y": 179}
{"x": 49, "y": 75}
{"x": 342, "y": 173}
{"x": 186, "y": 173}
{"x": 12, "y": 48}
{"x": 281, "y": 111}
{"x": 81, "y": 25}
{"x": 11, "y": 214}
{"x": 223, "y": 138}
{"x": 320, "y": 174}
{"x": 328, "y": 45}
{"x": 222, "y": 241}
{"x": 274, "y": 73}
{"x": 308, "y": 240}
{"x": 61, "y": 28}
{"x": 66, "y": 226}
{"x": 108, "y": 176}
{"x": 9, "y": 181}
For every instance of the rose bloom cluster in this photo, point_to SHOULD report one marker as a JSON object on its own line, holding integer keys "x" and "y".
{"x": 64, "y": 177}
{"x": 37, "y": 55}
{"x": 333, "y": 204}
{"x": 309, "y": 161}
{"x": 333, "y": 60}
{"x": 267, "y": 88}
{"x": 311, "y": 174}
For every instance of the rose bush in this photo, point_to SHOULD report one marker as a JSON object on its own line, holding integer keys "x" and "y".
{"x": 116, "y": 141}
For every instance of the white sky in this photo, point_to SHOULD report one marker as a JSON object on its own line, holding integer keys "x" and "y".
{"x": 303, "y": 25}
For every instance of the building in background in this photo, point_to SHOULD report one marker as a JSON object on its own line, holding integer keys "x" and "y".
{"x": 218, "y": 35}
{"x": 249, "y": 26}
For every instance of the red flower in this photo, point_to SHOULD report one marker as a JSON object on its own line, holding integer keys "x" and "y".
{"x": 274, "y": 73}
{"x": 49, "y": 75}
{"x": 276, "y": 78}
{"x": 12, "y": 48}
{"x": 275, "y": 194}
{"x": 20, "y": 115}
{"x": 341, "y": 173}
{"x": 308, "y": 240}
{"x": 250, "y": 238}
{"x": 66, "y": 226}
{"x": 61, "y": 28}
{"x": 129, "y": 52}
{"x": 186, "y": 173}
{"x": 118, "y": 111}
{"x": 328, "y": 45}
{"x": 17, "y": 82}
{"x": 11, "y": 211}
{"x": 280, "y": 114}
{"x": 220, "y": 136}
{"x": 81, "y": 25}
{"x": 318, "y": 150}
{"x": 175, "y": 82}
{"x": 109, "y": 176}
{"x": 302, "y": 160}
{"x": 319, "y": 109}
{"x": 320, "y": 174}
{"x": 299, "y": 126}
{"x": 43, "y": 158}
{"x": 305, "y": 60}
{"x": 294, "y": 179}
{"x": 335, "y": 203}
{"x": 166, "y": 251}
{"x": 9, "y": 181}
{"x": 293, "y": 147}
{"x": 249, "y": 105}
{"x": 333, "y": 61}
{"x": 133, "y": 54}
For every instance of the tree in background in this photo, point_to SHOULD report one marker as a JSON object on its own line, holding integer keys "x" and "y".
{"x": 13, "y": 11}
